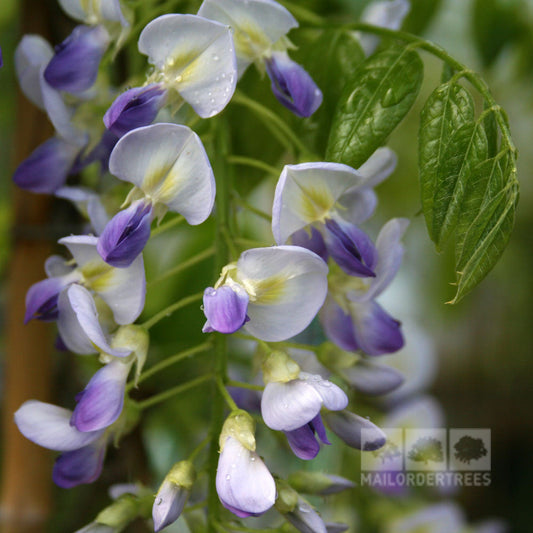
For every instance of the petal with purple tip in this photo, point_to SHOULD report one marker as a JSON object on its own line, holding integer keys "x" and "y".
{"x": 79, "y": 466}
{"x": 305, "y": 519}
{"x": 126, "y": 235}
{"x": 348, "y": 427}
{"x": 312, "y": 241}
{"x": 371, "y": 378}
{"x": 338, "y": 326}
{"x": 49, "y": 426}
{"x": 42, "y": 299}
{"x": 134, "y": 108}
{"x": 100, "y": 403}
{"x": 225, "y": 308}
{"x": 292, "y": 85}
{"x": 243, "y": 482}
{"x": 74, "y": 66}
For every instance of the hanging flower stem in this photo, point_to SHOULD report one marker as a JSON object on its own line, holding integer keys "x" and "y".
{"x": 171, "y": 308}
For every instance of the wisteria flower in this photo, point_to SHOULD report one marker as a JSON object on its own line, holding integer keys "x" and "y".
{"x": 351, "y": 317}
{"x": 168, "y": 165}
{"x": 294, "y": 407}
{"x": 273, "y": 293}
{"x": 259, "y": 29}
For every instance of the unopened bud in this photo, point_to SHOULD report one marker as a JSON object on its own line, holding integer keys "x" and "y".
{"x": 318, "y": 483}
{"x": 241, "y": 426}
{"x": 279, "y": 367}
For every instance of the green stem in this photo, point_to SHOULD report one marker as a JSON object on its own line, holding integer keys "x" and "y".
{"x": 173, "y": 359}
{"x": 226, "y": 395}
{"x": 198, "y": 449}
{"x": 262, "y": 111}
{"x": 195, "y": 507}
{"x": 242, "y": 385}
{"x": 255, "y": 163}
{"x": 249, "y": 243}
{"x": 165, "y": 395}
{"x": 171, "y": 308}
{"x": 176, "y": 221}
{"x": 198, "y": 258}
{"x": 245, "y": 205}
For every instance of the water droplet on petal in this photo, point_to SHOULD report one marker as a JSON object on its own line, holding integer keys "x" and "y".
{"x": 304, "y": 508}
{"x": 159, "y": 501}
{"x": 215, "y": 57}
{"x": 228, "y": 477}
{"x": 252, "y": 459}
{"x": 223, "y": 76}
{"x": 212, "y": 100}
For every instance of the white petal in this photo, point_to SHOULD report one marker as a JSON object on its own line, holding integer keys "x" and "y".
{"x": 49, "y": 426}
{"x": 333, "y": 397}
{"x": 243, "y": 481}
{"x": 168, "y": 162}
{"x": 289, "y": 406}
{"x": 82, "y": 248}
{"x": 256, "y": 24}
{"x": 56, "y": 266}
{"x": 124, "y": 291}
{"x": 196, "y": 57}
{"x": 378, "y": 166}
{"x": 307, "y": 193}
{"x": 84, "y": 308}
{"x": 32, "y": 54}
{"x": 287, "y": 286}
{"x": 74, "y": 9}
{"x": 60, "y": 114}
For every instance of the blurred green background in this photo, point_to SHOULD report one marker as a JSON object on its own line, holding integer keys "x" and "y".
{"x": 483, "y": 344}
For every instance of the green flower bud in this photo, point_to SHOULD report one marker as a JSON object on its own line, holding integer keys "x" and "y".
{"x": 279, "y": 367}
{"x": 241, "y": 426}
{"x": 318, "y": 483}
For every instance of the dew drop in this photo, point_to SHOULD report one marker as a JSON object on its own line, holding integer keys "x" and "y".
{"x": 228, "y": 477}
{"x": 252, "y": 459}
{"x": 212, "y": 100}
{"x": 233, "y": 465}
{"x": 326, "y": 383}
{"x": 215, "y": 57}
{"x": 179, "y": 78}
{"x": 223, "y": 76}
{"x": 159, "y": 501}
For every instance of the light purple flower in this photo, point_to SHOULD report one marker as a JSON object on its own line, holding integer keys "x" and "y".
{"x": 244, "y": 484}
{"x": 286, "y": 285}
{"x": 349, "y": 426}
{"x": 74, "y": 66}
{"x": 305, "y": 519}
{"x": 303, "y": 442}
{"x": 292, "y": 85}
{"x": 42, "y": 299}
{"x": 225, "y": 308}
{"x": 371, "y": 378}
{"x": 134, "y": 108}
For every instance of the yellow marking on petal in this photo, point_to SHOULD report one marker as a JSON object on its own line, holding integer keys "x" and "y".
{"x": 180, "y": 67}
{"x": 266, "y": 291}
{"x": 97, "y": 274}
{"x": 250, "y": 41}
{"x": 315, "y": 202}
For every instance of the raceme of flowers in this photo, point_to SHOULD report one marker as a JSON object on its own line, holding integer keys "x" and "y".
{"x": 323, "y": 263}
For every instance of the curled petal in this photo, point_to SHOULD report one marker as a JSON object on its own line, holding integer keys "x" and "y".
{"x": 287, "y": 287}
{"x": 79, "y": 466}
{"x": 134, "y": 108}
{"x": 378, "y": 166}
{"x": 49, "y": 426}
{"x": 243, "y": 482}
{"x": 100, "y": 403}
{"x": 74, "y": 66}
{"x": 292, "y": 85}
{"x": 126, "y": 235}
{"x": 333, "y": 397}
{"x": 303, "y": 442}
{"x": 350, "y": 248}
{"x": 289, "y": 406}
{"x": 196, "y": 58}
{"x": 169, "y": 164}
{"x": 257, "y": 24}
{"x": 32, "y": 54}
{"x": 47, "y": 167}
{"x": 349, "y": 427}
{"x": 307, "y": 193}
{"x": 225, "y": 308}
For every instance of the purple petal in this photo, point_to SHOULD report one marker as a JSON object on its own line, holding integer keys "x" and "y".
{"x": 350, "y": 248}
{"x": 101, "y": 153}
{"x": 168, "y": 505}
{"x": 314, "y": 242}
{"x": 336, "y": 527}
{"x": 376, "y": 331}
{"x": 225, "y": 308}
{"x": 79, "y": 466}
{"x": 318, "y": 426}
{"x": 338, "y": 326}
{"x": 303, "y": 442}
{"x": 349, "y": 426}
{"x": 42, "y": 298}
{"x": 134, "y": 108}
{"x": 305, "y": 519}
{"x": 126, "y": 235}
{"x": 292, "y": 85}
{"x": 372, "y": 378}
{"x": 74, "y": 67}
{"x": 100, "y": 404}
{"x": 47, "y": 167}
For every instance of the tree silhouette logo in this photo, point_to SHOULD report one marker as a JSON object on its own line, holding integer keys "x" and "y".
{"x": 426, "y": 449}
{"x": 387, "y": 453}
{"x": 468, "y": 449}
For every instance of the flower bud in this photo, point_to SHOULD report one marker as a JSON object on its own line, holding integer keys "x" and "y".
{"x": 173, "y": 494}
{"x": 240, "y": 426}
{"x": 279, "y": 367}
{"x": 318, "y": 483}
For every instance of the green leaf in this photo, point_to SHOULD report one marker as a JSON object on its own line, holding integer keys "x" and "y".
{"x": 373, "y": 103}
{"x": 331, "y": 60}
{"x": 486, "y": 239}
{"x": 448, "y": 108}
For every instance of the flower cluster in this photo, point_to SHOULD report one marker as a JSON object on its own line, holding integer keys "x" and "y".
{"x": 323, "y": 270}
